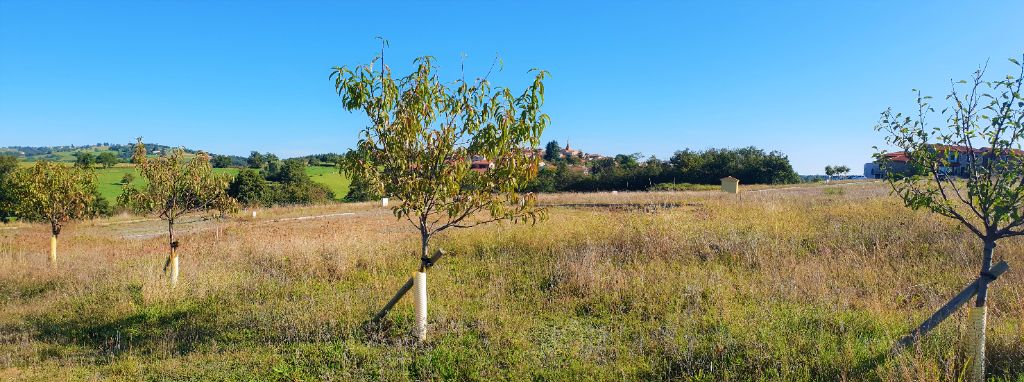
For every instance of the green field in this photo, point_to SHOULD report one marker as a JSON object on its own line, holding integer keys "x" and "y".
{"x": 330, "y": 177}
{"x": 109, "y": 179}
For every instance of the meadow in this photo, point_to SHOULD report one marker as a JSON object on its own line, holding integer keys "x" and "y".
{"x": 796, "y": 283}
{"x": 108, "y": 180}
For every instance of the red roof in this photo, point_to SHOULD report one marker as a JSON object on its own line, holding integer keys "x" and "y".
{"x": 898, "y": 156}
{"x": 901, "y": 156}
{"x": 957, "y": 148}
{"x": 480, "y": 165}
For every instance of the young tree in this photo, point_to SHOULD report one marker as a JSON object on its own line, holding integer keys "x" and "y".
{"x": 982, "y": 137}
{"x": 107, "y": 159}
{"x": 176, "y": 187}
{"x": 55, "y": 194}
{"x": 422, "y": 135}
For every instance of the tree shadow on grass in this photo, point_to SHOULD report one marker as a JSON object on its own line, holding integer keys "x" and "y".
{"x": 177, "y": 329}
{"x": 868, "y": 368}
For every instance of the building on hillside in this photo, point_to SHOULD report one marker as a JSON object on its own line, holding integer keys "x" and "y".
{"x": 533, "y": 153}
{"x": 570, "y": 152}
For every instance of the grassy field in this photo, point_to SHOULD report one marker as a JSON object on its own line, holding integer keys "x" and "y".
{"x": 331, "y": 177}
{"x": 108, "y": 180}
{"x": 782, "y": 284}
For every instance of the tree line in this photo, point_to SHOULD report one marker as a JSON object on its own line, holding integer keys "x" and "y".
{"x": 632, "y": 173}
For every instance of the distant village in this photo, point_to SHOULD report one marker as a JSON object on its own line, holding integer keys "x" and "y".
{"x": 577, "y": 160}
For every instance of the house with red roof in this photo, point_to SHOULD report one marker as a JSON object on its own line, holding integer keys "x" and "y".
{"x": 897, "y": 162}
{"x": 958, "y": 160}
{"x": 481, "y": 165}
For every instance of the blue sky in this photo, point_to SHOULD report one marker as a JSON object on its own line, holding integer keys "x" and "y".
{"x": 806, "y": 78}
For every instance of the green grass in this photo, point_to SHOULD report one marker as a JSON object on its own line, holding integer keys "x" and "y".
{"x": 331, "y": 177}
{"x": 109, "y": 179}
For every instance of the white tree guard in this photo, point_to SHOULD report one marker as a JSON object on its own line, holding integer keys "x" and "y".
{"x": 174, "y": 269}
{"x": 53, "y": 249}
{"x": 419, "y": 289}
{"x": 977, "y": 317}
{"x": 384, "y": 202}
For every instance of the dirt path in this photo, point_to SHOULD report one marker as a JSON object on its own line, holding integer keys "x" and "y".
{"x": 151, "y": 234}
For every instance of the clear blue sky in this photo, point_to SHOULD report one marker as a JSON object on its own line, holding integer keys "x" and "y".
{"x": 807, "y": 78}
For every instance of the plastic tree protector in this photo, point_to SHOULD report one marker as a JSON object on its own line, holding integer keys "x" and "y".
{"x": 420, "y": 301}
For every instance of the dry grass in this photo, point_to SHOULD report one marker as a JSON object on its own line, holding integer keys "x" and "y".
{"x": 792, "y": 284}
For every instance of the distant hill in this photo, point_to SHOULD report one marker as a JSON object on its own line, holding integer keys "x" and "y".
{"x": 69, "y": 153}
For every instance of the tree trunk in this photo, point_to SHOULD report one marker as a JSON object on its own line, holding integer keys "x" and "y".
{"x": 424, "y": 246}
{"x": 978, "y": 317}
{"x": 986, "y": 265}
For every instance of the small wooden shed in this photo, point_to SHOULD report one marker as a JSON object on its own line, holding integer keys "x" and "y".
{"x": 730, "y": 185}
